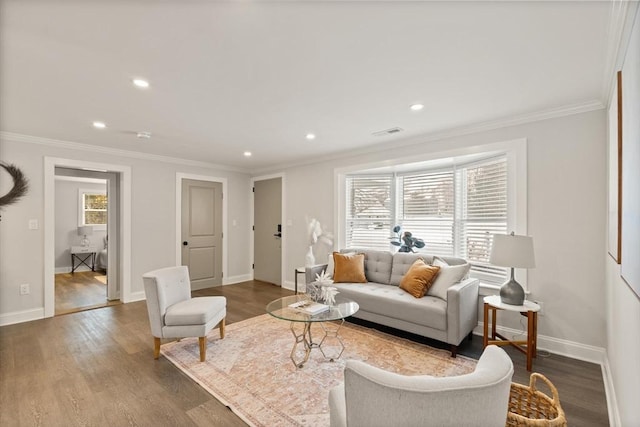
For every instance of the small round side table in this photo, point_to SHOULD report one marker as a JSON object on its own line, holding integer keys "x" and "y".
{"x": 529, "y": 309}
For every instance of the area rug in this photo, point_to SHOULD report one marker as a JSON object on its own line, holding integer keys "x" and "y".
{"x": 250, "y": 370}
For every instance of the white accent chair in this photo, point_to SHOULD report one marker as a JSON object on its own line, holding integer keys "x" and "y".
{"x": 174, "y": 314}
{"x": 373, "y": 397}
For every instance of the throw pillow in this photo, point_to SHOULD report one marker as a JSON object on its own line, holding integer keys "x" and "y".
{"x": 449, "y": 275}
{"x": 330, "y": 264}
{"x": 349, "y": 268}
{"x": 419, "y": 278}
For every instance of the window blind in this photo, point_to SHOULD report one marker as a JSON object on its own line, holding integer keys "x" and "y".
{"x": 369, "y": 211}
{"x": 426, "y": 208}
{"x": 483, "y": 191}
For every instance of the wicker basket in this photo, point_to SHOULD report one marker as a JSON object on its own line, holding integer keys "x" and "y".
{"x": 531, "y": 407}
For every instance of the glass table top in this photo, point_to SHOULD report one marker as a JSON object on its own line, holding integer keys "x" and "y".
{"x": 343, "y": 307}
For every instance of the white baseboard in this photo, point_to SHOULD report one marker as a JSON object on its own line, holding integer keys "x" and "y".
{"x": 574, "y": 350}
{"x": 135, "y": 296}
{"x": 21, "y": 316}
{"x": 610, "y": 392}
{"x": 237, "y": 279}
{"x": 292, "y": 286}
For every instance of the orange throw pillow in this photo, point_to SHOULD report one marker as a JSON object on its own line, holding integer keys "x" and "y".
{"x": 419, "y": 278}
{"x": 349, "y": 268}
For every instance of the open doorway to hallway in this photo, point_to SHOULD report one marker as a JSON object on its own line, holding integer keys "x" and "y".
{"x": 83, "y": 219}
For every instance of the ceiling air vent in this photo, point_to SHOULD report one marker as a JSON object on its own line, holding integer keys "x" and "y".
{"x": 389, "y": 131}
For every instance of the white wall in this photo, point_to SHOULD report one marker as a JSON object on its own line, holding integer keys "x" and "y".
{"x": 153, "y": 220}
{"x": 566, "y": 180}
{"x": 66, "y": 216}
{"x": 623, "y": 305}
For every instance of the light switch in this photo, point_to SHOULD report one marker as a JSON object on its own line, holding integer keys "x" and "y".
{"x": 33, "y": 224}
{"x": 234, "y": 223}
{"x": 289, "y": 222}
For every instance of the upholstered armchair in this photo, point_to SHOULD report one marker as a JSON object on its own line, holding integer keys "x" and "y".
{"x": 174, "y": 314}
{"x": 373, "y": 397}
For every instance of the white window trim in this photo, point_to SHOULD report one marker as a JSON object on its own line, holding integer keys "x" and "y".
{"x": 516, "y": 153}
{"x": 81, "y": 193}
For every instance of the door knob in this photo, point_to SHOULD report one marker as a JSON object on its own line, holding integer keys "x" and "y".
{"x": 278, "y": 235}
{"x": 185, "y": 243}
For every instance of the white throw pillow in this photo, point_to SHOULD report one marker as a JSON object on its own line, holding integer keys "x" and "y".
{"x": 448, "y": 276}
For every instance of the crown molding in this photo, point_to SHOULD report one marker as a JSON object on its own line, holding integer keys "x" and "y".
{"x": 552, "y": 113}
{"x": 17, "y": 137}
{"x": 618, "y": 33}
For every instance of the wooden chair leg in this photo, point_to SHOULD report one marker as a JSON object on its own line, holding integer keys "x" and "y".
{"x": 222, "y": 328}
{"x": 203, "y": 348}
{"x": 156, "y": 348}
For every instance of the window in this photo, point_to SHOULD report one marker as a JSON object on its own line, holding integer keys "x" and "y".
{"x": 93, "y": 208}
{"x": 455, "y": 210}
{"x": 370, "y": 211}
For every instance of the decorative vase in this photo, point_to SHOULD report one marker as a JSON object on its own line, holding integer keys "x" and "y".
{"x": 309, "y": 258}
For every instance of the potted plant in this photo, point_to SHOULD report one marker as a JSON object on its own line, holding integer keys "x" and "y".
{"x": 405, "y": 240}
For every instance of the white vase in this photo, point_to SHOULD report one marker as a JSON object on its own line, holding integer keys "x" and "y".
{"x": 309, "y": 258}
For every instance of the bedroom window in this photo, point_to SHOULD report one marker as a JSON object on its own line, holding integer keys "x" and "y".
{"x": 455, "y": 206}
{"x": 93, "y": 208}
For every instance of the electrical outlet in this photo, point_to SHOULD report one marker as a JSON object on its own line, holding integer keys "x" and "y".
{"x": 24, "y": 289}
{"x": 541, "y": 311}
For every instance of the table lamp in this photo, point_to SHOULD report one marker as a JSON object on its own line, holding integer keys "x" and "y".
{"x": 85, "y": 230}
{"x": 510, "y": 250}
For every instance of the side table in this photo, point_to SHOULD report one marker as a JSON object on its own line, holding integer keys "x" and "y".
{"x": 529, "y": 309}
{"x": 299, "y": 270}
{"x": 83, "y": 254}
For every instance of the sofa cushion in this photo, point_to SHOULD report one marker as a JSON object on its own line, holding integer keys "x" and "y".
{"x": 419, "y": 278}
{"x": 377, "y": 264}
{"x": 391, "y": 301}
{"x": 402, "y": 262}
{"x": 348, "y": 268}
{"x": 448, "y": 276}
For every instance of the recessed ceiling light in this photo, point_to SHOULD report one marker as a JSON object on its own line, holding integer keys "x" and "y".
{"x": 310, "y": 136}
{"x": 144, "y": 135}
{"x": 247, "y": 153}
{"x": 99, "y": 125}
{"x": 417, "y": 107}
{"x": 141, "y": 83}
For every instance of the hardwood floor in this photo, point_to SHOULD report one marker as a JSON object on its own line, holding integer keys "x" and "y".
{"x": 96, "y": 368}
{"x": 82, "y": 290}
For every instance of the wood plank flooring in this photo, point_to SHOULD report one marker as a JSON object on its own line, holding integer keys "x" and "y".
{"x": 96, "y": 368}
{"x": 82, "y": 290}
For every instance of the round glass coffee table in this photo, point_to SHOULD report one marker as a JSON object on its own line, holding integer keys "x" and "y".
{"x": 282, "y": 309}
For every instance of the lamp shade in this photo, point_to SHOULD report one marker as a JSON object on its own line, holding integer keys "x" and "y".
{"x": 509, "y": 250}
{"x": 85, "y": 230}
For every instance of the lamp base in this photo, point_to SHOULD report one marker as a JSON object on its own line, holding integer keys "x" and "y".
{"x": 512, "y": 293}
{"x": 85, "y": 242}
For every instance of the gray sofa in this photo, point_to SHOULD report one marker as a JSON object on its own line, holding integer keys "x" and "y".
{"x": 382, "y": 301}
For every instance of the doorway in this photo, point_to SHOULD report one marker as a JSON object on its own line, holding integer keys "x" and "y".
{"x": 86, "y": 237}
{"x": 119, "y": 244}
{"x": 268, "y": 230}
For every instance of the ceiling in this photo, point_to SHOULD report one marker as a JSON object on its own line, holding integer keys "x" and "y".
{"x": 229, "y": 77}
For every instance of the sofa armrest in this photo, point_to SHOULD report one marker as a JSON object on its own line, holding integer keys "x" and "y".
{"x": 310, "y": 272}
{"x": 462, "y": 310}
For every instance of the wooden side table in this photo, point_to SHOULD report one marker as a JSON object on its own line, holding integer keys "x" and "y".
{"x": 529, "y": 309}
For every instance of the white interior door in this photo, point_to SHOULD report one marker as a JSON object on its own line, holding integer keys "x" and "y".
{"x": 267, "y": 214}
{"x": 202, "y": 232}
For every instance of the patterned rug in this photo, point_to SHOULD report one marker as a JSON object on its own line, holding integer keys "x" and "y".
{"x": 250, "y": 370}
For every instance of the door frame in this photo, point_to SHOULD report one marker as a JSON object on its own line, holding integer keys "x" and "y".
{"x": 181, "y": 176}
{"x": 124, "y": 252}
{"x": 283, "y": 239}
